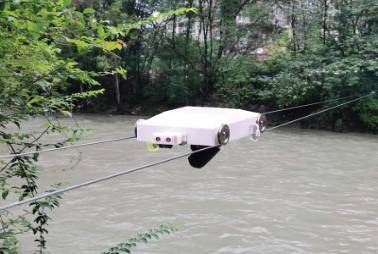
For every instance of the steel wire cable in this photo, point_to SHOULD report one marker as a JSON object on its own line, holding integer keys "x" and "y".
{"x": 81, "y": 185}
{"x": 320, "y": 111}
{"x": 102, "y": 179}
{"x": 307, "y": 105}
{"x": 11, "y": 156}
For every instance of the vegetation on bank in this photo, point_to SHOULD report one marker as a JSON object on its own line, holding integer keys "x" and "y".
{"x": 312, "y": 51}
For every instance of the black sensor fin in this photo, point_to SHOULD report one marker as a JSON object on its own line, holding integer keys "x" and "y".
{"x": 200, "y": 159}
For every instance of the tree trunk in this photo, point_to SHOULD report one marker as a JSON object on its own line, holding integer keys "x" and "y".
{"x": 116, "y": 89}
{"x": 187, "y": 41}
{"x": 293, "y": 25}
{"x": 325, "y": 16}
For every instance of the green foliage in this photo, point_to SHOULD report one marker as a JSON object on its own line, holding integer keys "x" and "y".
{"x": 241, "y": 82}
{"x": 325, "y": 50}
{"x": 368, "y": 112}
{"x": 35, "y": 75}
{"x": 344, "y": 64}
{"x": 152, "y": 234}
{"x": 46, "y": 48}
{"x": 41, "y": 218}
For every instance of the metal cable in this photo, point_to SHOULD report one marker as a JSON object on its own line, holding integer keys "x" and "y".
{"x": 102, "y": 179}
{"x": 320, "y": 112}
{"x": 81, "y": 185}
{"x": 307, "y": 105}
{"x": 11, "y": 156}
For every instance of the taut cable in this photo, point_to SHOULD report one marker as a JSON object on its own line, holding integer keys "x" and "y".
{"x": 320, "y": 111}
{"x": 102, "y": 179}
{"x": 307, "y": 105}
{"x": 11, "y": 156}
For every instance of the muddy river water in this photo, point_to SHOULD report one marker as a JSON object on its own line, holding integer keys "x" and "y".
{"x": 294, "y": 191}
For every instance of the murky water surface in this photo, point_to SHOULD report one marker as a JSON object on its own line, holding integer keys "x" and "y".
{"x": 295, "y": 191}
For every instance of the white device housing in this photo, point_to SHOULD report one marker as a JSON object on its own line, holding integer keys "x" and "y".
{"x": 197, "y": 126}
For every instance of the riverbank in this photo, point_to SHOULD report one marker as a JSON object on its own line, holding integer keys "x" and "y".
{"x": 349, "y": 124}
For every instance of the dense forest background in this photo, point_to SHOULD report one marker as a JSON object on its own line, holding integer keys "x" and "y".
{"x": 255, "y": 55}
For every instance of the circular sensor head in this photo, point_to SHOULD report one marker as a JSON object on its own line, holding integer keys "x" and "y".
{"x": 262, "y": 122}
{"x": 224, "y": 134}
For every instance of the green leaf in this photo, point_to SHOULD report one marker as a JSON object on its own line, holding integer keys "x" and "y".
{"x": 81, "y": 45}
{"x": 111, "y": 45}
{"x": 89, "y": 11}
{"x": 34, "y": 27}
{"x": 65, "y": 3}
{"x": 35, "y": 100}
{"x": 80, "y": 19}
{"x": 101, "y": 32}
{"x": 121, "y": 71}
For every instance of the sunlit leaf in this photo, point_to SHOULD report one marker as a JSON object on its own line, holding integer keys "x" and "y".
{"x": 89, "y": 11}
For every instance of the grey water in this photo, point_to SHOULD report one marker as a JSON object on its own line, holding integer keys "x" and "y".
{"x": 293, "y": 191}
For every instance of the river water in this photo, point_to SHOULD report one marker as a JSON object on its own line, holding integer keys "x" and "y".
{"x": 294, "y": 191}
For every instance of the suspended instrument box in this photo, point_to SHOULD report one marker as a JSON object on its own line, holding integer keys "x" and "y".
{"x": 202, "y": 126}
